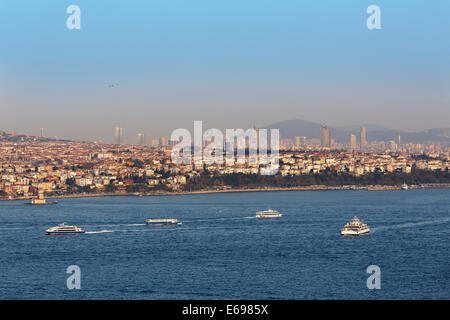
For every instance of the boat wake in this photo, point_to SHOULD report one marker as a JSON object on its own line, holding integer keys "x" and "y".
{"x": 411, "y": 224}
{"x": 116, "y": 225}
{"x": 191, "y": 227}
{"x": 217, "y": 219}
{"x": 16, "y": 228}
{"x": 101, "y": 231}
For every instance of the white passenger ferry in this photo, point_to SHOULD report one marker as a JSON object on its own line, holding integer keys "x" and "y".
{"x": 355, "y": 228}
{"x": 165, "y": 222}
{"x": 268, "y": 214}
{"x": 64, "y": 229}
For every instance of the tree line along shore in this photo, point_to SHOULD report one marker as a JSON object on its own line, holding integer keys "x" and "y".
{"x": 210, "y": 183}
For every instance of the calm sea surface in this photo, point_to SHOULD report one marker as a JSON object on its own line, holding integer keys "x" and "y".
{"x": 222, "y": 252}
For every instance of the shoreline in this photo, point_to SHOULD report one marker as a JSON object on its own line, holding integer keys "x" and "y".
{"x": 172, "y": 193}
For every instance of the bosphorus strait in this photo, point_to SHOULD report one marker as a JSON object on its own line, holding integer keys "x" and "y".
{"x": 221, "y": 251}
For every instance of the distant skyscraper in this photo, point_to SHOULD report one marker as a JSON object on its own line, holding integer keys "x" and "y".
{"x": 118, "y": 134}
{"x": 298, "y": 142}
{"x": 398, "y": 138}
{"x": 164, "y": 141}
{"x": 42, "y": 133}
{"x": 363, "y": 143}
{"x": 325, "y": 137}
{"x": 257, "y": 137}
{"x": 140, "y": 138}
{"x": 155, "y": 142}
{"x": 353, "y": 141}
{"x": 303, "y": 141}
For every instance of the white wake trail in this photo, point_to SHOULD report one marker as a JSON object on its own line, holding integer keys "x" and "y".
{"x": 116, "y": 225}
{"x": 101, "y": 231}
{"x": 412, "y": 224}
{"x": 217, "y": 219}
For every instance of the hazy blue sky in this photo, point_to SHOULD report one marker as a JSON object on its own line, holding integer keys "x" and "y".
{"x": 230, "y": 63}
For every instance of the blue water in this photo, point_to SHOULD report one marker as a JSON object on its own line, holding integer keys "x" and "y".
{"x": 222, "y": 252}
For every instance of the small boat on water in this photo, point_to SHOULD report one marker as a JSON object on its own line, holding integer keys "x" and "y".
{"x": 355, "y": 228}
{"x": 64, "y": 229}
{"x": 162, "y": 222}
{"x": 404, "y": 186}
{"x": 268, "y": 214}
{"x": 40, "y": 200}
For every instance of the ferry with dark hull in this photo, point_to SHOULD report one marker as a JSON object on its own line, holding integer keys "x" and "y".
{"x": 64, "y": 229}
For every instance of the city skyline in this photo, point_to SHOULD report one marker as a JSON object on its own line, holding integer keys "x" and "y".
{"x": 325, "y": 135}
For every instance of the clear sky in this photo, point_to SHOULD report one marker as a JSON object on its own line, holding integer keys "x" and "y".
{"x": 230, "y": 63}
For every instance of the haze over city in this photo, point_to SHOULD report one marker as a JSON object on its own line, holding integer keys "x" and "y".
{"x": 230, "y": 64}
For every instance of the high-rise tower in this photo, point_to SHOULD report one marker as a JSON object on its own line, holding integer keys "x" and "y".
{"x": 118, "y": 133}
{"x": 298, "y": 143}
{"x": 325, "y": 136}
{"x": 398, "y": 138}
{"x": 352, "y": 141}
{"x": 363, "y": 142}
{"x": 140, "y": 138}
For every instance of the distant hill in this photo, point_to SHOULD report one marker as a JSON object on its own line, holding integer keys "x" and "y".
{"x": 442, "y": 132}
{"x": 19, "y": 137}
{"x": 292, "y": 128}
{"x": 369, "y": 127}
